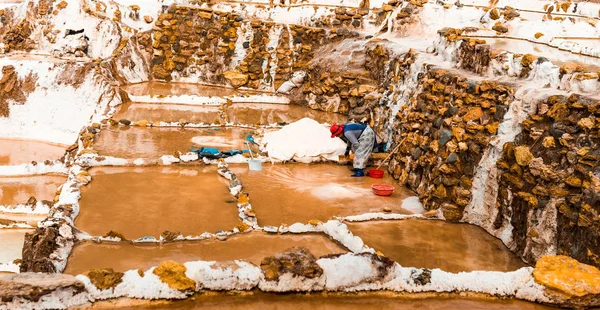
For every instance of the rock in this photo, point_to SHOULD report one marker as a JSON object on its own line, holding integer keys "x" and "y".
{"x": 568, "y": 281}
{"x": 125, "y": 122}
{"x": 500, "y": 28}
{"x": 387, "y": 7}
{"x": 141, "y": 123}
{"x": 33, "y": 286}
{"x": 173, "y": 274}
{"x": 549, "y": 142}
{"x": 170, "y": 235}
{"x": 452, "y": 158}
{"x": 148, "y": 19}
{"x": 104, "y": 278}
{"x": 31, "y": 201}
{"x": 37, "y": 248}
{"x": 586, "y": 123}
{"x": 297, "y": 261}
{"x": 494, "y": 14}
{"x": 523, "y": 155}
{"x": 473, "y": 114}
{"x": 445, "y": 136}
{"x": 451, "y": 212}
{"x": 236, "y": 78}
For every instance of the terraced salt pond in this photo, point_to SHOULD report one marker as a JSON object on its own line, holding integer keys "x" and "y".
{"x": 290, "y": 193}
{"x": 17, "y": 190}
{"x": 252, "y": 247}
{"x": 149, "y": 142}
{"x": 16, "y": 152}
{"x": 151, "y": 200}
{"x": 437, "y": 244}
{"x": 238, "y": 113}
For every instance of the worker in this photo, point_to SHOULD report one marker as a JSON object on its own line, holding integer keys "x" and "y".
{"x": 361, "y": 141}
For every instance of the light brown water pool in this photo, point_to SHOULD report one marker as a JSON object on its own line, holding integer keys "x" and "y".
{"x": 134, "y": 142}
{"x": 11, "y": 243}
{"x": 16, "y": 152}
{"x": 290, "y": 193}
{"x": 252, "y": 247}
{"x": 437, "y": 244}
{"x": 17, "y": 190}
{"x": 147, "y": 201}
{"x": 239, "y": 113}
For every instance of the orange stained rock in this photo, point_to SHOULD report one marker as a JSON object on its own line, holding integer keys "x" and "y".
{"x": 568, "y": 276}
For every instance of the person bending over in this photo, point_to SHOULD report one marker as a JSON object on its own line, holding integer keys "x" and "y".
{"x": 361, "y": 141}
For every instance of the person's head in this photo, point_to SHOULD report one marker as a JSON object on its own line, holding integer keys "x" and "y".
{"x": 336, "y": 130}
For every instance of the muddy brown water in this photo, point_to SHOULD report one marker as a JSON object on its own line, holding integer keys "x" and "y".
{"x": 239, "y": 113}
{"x": 290, "y": 193}
{"x": 437, "y": 244}
{"x": 252, "y": 247}
{"x": 17, "y": 190}
{"x": 16, "y": 152}
{"x": 326, "y": 301}
{"x": 157, "y": 89}
{"x": 134, "y": 142}
{"x": 147, "y": 201}
{"x": 11, "y": 244}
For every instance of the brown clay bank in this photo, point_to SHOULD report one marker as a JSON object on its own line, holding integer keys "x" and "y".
{"x": 11, "y": 241}
{"x": 16, "y": 152}
{"x": 437, "y": 244}
{"x": 19, "y": 190}
{"x": 137, "y": 202}
{"x": 252, "y": 247}
{"x": 291, "y": 193}
{"x": 324, "y": 301}
{"x": 237, "y": 113}
{"x": 146, "y": 142}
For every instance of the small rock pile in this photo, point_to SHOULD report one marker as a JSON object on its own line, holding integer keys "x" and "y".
{"x": 554, "y": 163}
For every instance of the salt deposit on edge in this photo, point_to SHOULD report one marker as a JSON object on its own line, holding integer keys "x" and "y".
{"x": 305, "y": 141}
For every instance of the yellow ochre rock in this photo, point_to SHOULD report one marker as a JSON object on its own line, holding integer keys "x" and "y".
{"x": 566, "y": 276}
{"x": 173, "y": 273}
{"x": 523, "y": 155}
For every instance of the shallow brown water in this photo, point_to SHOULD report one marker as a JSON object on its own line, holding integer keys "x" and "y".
{"x": 239, "y": 113}
{"x": 260, "y": 301}
{"x": 290, "y": 193}
{"x": 251, "y": 247}
{"x": 178, "y": 89}
{"x": 147, "y": 201}
{"x": 11, "y": 244}
{"x": 134, "y": 142}
{"x": 437, "y": 244}
{"x": 15, "y": 152}
{"x": 17, "y": 190}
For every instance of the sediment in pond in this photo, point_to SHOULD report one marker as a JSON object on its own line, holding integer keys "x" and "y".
{"x": 252, "y": 247}
{"x": 290, "y": 193}
{"x": 148, "y": 201}
{"x": 437, "y": 244}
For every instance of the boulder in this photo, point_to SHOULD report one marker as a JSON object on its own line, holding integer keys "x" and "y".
{"x": 236, "y": 78}
{"x": 33, "y": 286}
{"x": 297, "y": 261}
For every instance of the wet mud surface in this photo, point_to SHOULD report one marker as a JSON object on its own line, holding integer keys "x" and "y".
{"x": 17, "y": 190}
{"x": 437, "y": 244}
{"x": 151, "y": 200}
{"x": 135, "y": 142}
{"x": 16, "y": 152}
{"x": 290, "y": 193}
{"x": 252, "y": 247}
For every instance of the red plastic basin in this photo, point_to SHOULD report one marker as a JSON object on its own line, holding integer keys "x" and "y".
{"x": 382, "y": 189}
{"x": 376, "y": 173}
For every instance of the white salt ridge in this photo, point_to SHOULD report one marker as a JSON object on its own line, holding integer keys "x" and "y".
{"x": 381, "y": 216}
{"x": 305, "y": 141}
{"x": 237, "y": 275}
{"x": 38, "y": 208}
{"x": 339, "y": 232}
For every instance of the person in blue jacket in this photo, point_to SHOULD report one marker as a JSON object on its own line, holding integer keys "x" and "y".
{"x": 361, "y": 141}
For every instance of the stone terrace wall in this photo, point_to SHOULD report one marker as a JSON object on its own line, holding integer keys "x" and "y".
{"x": 443, "y": 133}
{"x": 550, "y": 180}
{"x": 200, "y": 45}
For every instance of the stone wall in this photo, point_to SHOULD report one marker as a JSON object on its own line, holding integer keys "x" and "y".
{"x": 443, "y": 133}
{"x": 551, "y": 173}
